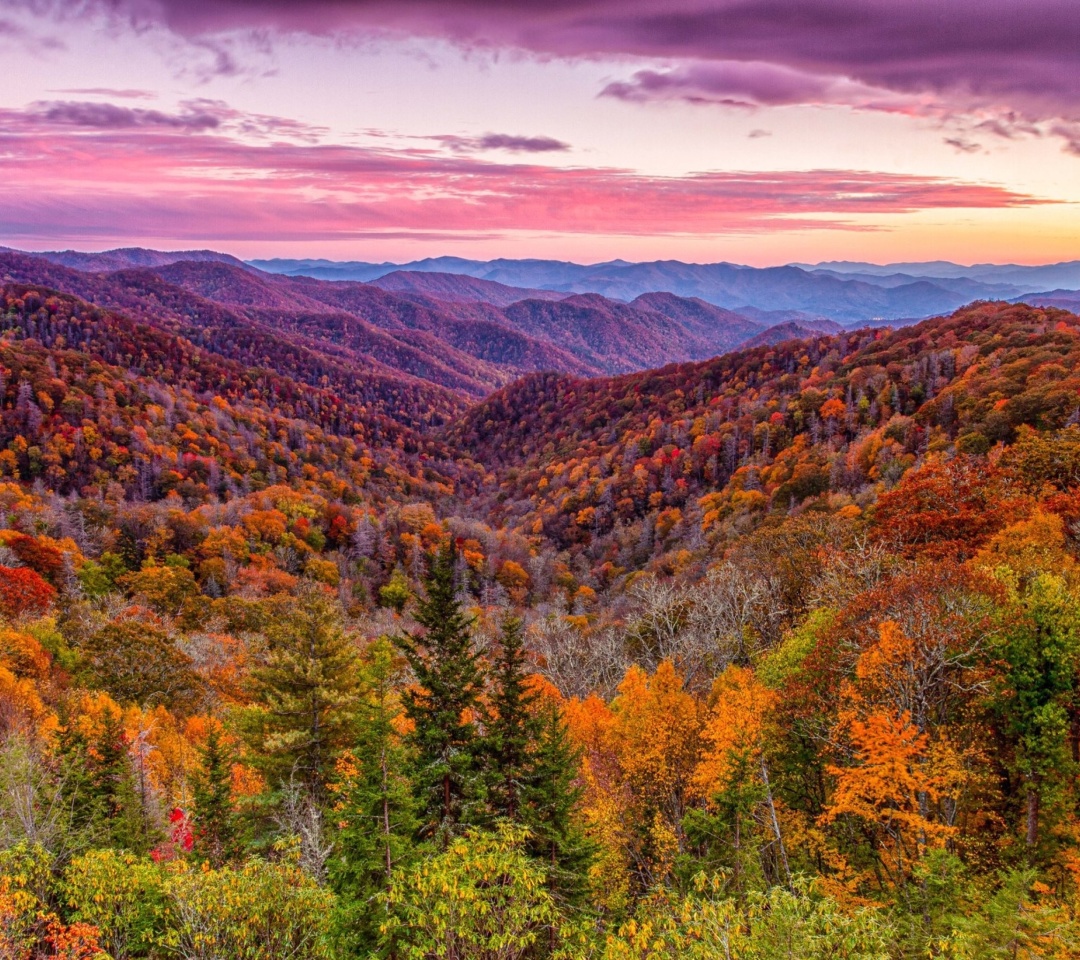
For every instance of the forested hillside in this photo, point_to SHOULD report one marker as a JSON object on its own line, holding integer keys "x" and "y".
{"x": 305, "y": 652}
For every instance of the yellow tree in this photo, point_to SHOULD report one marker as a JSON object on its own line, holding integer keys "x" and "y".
{"x": 898, "y": 783}
{"x": 657, "y": 738}
{"x": 733, "y": 775}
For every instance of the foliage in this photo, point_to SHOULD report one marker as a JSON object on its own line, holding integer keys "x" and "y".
{"x": 481, "y": 898}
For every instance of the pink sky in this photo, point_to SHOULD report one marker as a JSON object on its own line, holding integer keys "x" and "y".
{"x": 757, "y": 131}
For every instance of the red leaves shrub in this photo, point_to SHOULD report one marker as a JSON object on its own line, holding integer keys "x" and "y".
{"x": 23, "y": 592}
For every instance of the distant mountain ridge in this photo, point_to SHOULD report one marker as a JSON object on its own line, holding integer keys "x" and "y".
{"x": 360, "y": 340}
{"x": 848, "y": 292}
{"x": 471, "y": 326}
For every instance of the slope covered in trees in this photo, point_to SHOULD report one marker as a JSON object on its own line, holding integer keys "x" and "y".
{"x": 775, "y": 654}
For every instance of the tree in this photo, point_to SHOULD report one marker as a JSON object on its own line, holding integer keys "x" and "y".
{"x": 373, "y": 805}
{"x": 656, "y": 734}
{"x": 513, "y": 726}
{"x": 23, "y": 592}
{"x": 551, "y": 798}
{"x": 902, "y": 775}
{"x": 305, "y": 693}
{"x": 138, "y": 663}
{"x": 444, "y": 705}
{"x": 396, "y": 593}
{"x": 781, "y": 924}
{"x": 215, "y": 823}
{"x": 733, "y": 775}
{"x": 534, "y": 769}
{"x": 1040, "y": 650}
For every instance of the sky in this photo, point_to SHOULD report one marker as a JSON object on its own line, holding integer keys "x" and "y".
{"x": 752, "y": 131}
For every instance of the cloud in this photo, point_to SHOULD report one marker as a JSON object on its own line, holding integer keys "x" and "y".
{"x": 127, "y": 178}
{"x": 503, "y": 141}
{"x": 109, "y": 116}
{"x": 758, "y": 134}
{"x": 15, "y": 33}
{"x": 754, "y": 84}
{"x": 963, "y": 145}
{"x": 194, "y": 116}
{"x": 1020, "y": 55}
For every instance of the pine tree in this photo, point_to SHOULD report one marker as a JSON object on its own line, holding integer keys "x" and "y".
{"x": 127, "y": 822}
{"x": 374, "y": 807}
{"x": 445, "y": 704}
{"x": 533, "y": 770}
{"x": 550, "y": 798}
{"x": 513, "y": 726}
{"x": 216, "y": 833}
{"x": 306, "y": 694}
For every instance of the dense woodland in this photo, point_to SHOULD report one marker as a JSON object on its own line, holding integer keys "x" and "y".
{"x": 771, "y": 655}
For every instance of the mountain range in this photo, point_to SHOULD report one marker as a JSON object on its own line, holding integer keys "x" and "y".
{"x": 415, "y": 342}
{"x": 853, "y": 294}
{"x": 441, "y": 338}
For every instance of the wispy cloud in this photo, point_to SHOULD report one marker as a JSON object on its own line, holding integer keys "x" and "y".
{"x": 128, "y": 176}
{"x": 127, "y": 94}
{"x": 194, "y": 116}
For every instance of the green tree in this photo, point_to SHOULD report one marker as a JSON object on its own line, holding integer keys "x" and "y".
{"x": 445, "y": 704}
{"x": 396, "y": 593}
{"x": 305, "y": 694}
{"x": 137, "y": 663}
{"x": 1014, "y": 920}
{"x": 120, "y": 799}
{"x": 550, "y": 800}
{"x": 215, "y": 824}
{"x": 513, "y": 726}
{"x": 534, "y": 770}
{"x": 260, "y": 911}
{"x": 373, "y": 805}
{"x": 1040, "y": 652}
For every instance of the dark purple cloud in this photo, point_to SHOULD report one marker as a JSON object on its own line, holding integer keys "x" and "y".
{"x": 963, "y": 145}
{"x": 503, "y": 141}
{"x": 1014, "y": 53}
{"x": 195, "y": 116}
{"x": 110, "y": 116}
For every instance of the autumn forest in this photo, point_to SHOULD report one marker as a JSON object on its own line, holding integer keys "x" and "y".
{"x": 334, "y": 624}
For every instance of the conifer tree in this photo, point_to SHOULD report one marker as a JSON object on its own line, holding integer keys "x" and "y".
{"x": 216, "y": 833}
{"x": 374, "y": 806}
{"x": 534, "y": 769}
{"x": 127, "y": 823}
{"x": 513, "y": 726}
{"x": 550, "y": 798}
{"x": 305, "y": 693}
{"x": 444, "y": 705}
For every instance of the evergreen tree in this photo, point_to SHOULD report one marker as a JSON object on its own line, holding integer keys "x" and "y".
{"x": 513, "y": 727}
{"x": 305, "y": 693}
{"x": 445, "y": 704}
{"x": 374, "y": 807}
{"x": 128, "y": 825}
{"x": 550, "y": 797}
{"x": 216, "y": 834}
{"x": 534, "y": 769}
